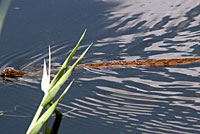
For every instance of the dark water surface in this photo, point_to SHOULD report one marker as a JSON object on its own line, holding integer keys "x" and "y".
{"x": 114, "y": 101}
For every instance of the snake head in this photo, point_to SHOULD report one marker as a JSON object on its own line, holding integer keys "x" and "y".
{"x": 12, "y": 73}
{"x": 6, "y": 72}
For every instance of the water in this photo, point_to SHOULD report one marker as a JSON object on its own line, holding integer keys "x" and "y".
{"x": 119, "y": 101}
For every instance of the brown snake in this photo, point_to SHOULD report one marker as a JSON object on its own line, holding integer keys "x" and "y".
{"x": 10, "y": 72}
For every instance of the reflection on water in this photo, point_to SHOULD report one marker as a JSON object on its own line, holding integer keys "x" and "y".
{"x": 154, "y": 27}
{"x": 126, "y": 100}
{"x": 155, "y": 105}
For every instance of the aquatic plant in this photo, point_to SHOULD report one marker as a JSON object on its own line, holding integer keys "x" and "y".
{"x": 50, "y": 89}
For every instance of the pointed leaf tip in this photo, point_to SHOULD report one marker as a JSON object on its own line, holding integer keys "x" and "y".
{"x": 45, "y": 78}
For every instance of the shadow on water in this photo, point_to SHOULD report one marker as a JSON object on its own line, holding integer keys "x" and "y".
{"x": 125, "y": 100}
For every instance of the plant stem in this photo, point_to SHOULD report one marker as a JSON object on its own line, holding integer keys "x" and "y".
{"x": 37, "y": 115}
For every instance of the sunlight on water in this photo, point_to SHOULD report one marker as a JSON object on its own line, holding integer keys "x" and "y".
{"x": 160, "y": 27}
{"x": 110, "y": 100}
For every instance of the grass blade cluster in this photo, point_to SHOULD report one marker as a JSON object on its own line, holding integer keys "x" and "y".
{"x": 51, "y": 89}
{"x": 38, "y": 125}
{"x": 66, "y": 63}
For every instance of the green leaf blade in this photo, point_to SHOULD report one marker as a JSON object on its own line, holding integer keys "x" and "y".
{"x": 36, "y": 128}
{"x": 4, "y": 5}
{"x": 66, "y": 63}
{"x": 52, "y": 93}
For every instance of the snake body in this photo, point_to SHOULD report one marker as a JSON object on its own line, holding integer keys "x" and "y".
{"x": 13, "y": 73}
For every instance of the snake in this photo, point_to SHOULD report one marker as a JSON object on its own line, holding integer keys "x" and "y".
{"x": 13, "y": 73}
